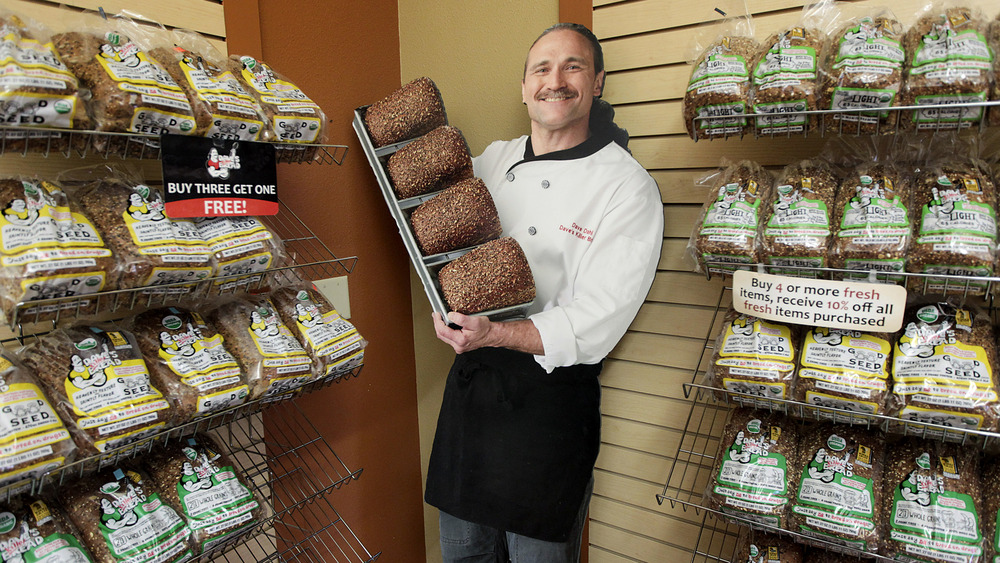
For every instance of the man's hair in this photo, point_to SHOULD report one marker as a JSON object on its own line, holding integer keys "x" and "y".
{"x": 602, "y": 115}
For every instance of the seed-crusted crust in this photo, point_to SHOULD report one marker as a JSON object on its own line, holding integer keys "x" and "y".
{"x": 851, "y": 80}
{"x": 462, "y": 215}
{"x": 40, "y": 527}
{"x": 946, "y": 242}
{"x": 430, "y": 163}
{"x": 488, "y": 277}
{"x": 729, "y": 227}
{"x": 756, "y": 546}
{"x": 944, "y": 467}
{"x": 872, "y": 222}
{"x": 946, "y": 56}
{"x": 784, "y": 83}
{"x": 720, "y": 86}
{"x": 991, "y": 506}
{"x": 409, "y": 112}
{"x": 798, "y": 218}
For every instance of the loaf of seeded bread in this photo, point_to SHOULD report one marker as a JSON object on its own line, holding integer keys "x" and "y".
{"x": 460, "y": 216}
{"x": 411, "y": 111}
{"x": 38, "y": 530}
{"x": 294, "y": 117}
{"x": 430, "y": 163}
{"x": 489, "y": 277}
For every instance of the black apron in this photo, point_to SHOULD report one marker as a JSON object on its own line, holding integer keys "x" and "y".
{"x": 515, "y": 447}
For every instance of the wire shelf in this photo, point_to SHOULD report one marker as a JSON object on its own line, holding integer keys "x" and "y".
{"x": 81, "y": 143}
{"x": 854, "y": 121}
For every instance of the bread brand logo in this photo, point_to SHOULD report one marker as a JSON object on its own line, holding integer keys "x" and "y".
{"x": 219, "y": 165}
{"x": 259, "y": 74}
{"x": 119, "y": 49}
{"x": 145, "y": 205}
{"x": 825, "y": 465}
{"x": 263, "y": 323}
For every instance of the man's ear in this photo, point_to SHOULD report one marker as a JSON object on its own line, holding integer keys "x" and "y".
{"x": 599, "y": 84}
{"x": 524, "y": 94}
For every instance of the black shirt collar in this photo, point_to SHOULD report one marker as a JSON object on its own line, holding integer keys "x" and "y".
{"x": 593, "y": 144}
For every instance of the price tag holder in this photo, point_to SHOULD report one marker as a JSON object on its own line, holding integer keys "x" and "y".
{"x": 849, "y": 305}
{"x": 205, "y": 177}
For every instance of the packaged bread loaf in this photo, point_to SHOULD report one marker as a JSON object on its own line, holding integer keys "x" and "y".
{"x": 990, "y": 515}
{"x": 931, "y": 503}
{"x": 492, "y": 276}
{"x": 994, "y": 42}
{"x": 333, "y": 343}
{"x": 99, "y": 383}
{"x": 757, "y": 546}
{"x": 786, "y": 81}
{"x": 152, "y": 248}
{"x": 838, "y": 499}
{"x": 753, "y": 477}
{"x": 462, "y": 215}
{"x": 195, "y": 477}
{"x": 272, "y": 359}
{"x": 863, "y": 69}
{"x": 223, "y": 108}
{"x": 726, "y": 237}
{"x": 949, "y": 62}
{"x": 719, "y": 88}
{"x": 872, "y": 224}
{"x": 943, "y": 370}
{"x": 36, "y": 88}
{"x": 244, "y": 248}
{"x": 50, "y": 249}
{"x": 130, "y": 91}
{"x": 754, "y": 357}
{"x": 288, "y": 111}
{"x": 798, "y": 219}
{"x": 439, "y": 158}
{"x": 123, "y": 517}
{"x": 844, "y": 370}
{"x": 190, "y": 361}
{"x": 412, "y": 110}
{"x": 36, "y": 529}
{"x": 33, "y": 439}
{"x": 955, "y": 229}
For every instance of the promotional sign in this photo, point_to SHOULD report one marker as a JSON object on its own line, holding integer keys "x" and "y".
{"x": 205, "y": 177}
{"x": 849, "y": 305}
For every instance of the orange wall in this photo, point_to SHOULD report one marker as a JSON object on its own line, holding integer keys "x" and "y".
{"x": 346, "y": 54}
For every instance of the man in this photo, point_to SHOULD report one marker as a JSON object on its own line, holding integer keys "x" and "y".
{"x": 511, "y": 468}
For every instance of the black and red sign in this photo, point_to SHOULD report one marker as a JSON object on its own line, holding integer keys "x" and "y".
{"x": 205, "y": 177}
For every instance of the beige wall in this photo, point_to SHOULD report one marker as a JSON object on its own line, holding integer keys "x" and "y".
{"x": 474, "y": 52}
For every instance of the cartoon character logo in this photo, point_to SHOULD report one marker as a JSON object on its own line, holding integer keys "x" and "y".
{"x": 265, "y": 325}
{"x": 82, "y": 376}
{"x": 307, "y": 315}
{"x": 143, "y": 207}
{"x": 219, "y": 166}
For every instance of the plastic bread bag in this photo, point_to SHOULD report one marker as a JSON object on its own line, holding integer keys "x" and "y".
{"x": 844, "y": 370}
{"x": 33, "y": 439}
{"x": 271, "y": 357}
{"x": 991, "y": 506}
{"x": 932, "y": 502}
{"x": 994, "y": 43}
{"x": 719, "y": 85}
{"x": 872, "y": 223}
{"x": 839, "y": 496}
{"x": 334, "y": 344}
{"x": 949, "y": 62}
{"x": 753, "y": 477}
{"x": 754, "y": 357}
{"x": 153, "y": 249}
{"x": 786, "y": 76}
{"x": 130, "y": 91}
{"x": 37, "y": 529}
{"x": 196, "y": 478}
{"x": 244, "y": 248}
{"x": 862, "y": 68}
{"x": 954, "y": 217}
{"x": 190, "y": 360}
{"x": 226, "y": 110}
{"x": 36, "y": 88}
{"x": 725, "y": 238}
{"x": 50, "y": 249}
{"x": 943, "y": 371}
{"x": 758, "y": 546}
{"x": 798, "y": 219}
{"x": 99, "y": 383}
{"x": 123, "y": 517}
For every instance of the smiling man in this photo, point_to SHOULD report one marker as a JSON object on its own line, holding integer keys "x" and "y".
{"x": 511, "y": 469}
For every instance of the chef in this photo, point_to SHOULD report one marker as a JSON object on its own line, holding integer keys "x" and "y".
{"x": 511, "y": 469}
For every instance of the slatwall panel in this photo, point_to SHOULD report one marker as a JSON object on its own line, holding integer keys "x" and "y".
{"x": 647, "y": 44}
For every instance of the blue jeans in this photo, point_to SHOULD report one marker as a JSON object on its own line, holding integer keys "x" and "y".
{"x": 467, "y": 542}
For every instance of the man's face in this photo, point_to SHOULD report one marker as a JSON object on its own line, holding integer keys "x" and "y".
{"x": 560, "y": 83}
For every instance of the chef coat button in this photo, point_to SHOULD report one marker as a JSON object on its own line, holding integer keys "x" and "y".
{"x": 545, "y": 184}
{"x": 510, "y": 176}
{"x": 532, "y": 230}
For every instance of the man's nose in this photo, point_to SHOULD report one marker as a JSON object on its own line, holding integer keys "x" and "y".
{"x": 556, "y": 79}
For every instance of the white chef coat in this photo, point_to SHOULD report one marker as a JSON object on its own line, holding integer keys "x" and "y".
{"x": 590, "y": 221}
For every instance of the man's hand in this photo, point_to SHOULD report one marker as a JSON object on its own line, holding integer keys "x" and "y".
{"x": 479, "y": 332}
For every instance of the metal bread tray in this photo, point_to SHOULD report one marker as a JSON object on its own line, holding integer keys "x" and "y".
{"x": 427, "y": 267}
